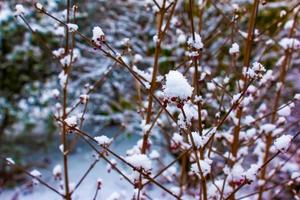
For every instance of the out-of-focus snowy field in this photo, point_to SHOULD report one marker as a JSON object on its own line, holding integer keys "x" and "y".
{"x": 80, "y": 162}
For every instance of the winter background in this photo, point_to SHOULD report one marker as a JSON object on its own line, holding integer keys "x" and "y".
{"x": 111, "y": 105}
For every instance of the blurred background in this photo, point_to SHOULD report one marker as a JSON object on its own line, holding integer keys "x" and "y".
{"x": 28, "y": 71}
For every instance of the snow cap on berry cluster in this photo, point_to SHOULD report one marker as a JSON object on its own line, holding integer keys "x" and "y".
{"x": 177, "y": 86}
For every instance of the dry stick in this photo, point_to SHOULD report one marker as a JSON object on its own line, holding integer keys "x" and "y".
{"x": 261, "y": 167}
{"x": 74, "y": 141}
{"x": 40, "y": 40}
{"x": 160, "y": 18}
{"x": 266, "y": 189}
{"x": 225, "y": 179}
{"x": 169, "y": 165}
{"x": 226, "y": 18}
{"x": 161, "y": 34}
{"x": 203, "y": 180}
{"x": 279, "y": 20}
{"x": 64, "y": 116}
{"x": 246, "y": 63}
{"x": 117, "y": 60}
{"x": 98, "y": 83}
{"x": 83, "y": 134}
{"x": 96, "y": 193}
{"x": 284, "y": 163}
{"x": 34, "y": 177}
{"x": 269, "y": 114}
{"x": 234, "y": 105}
{"x": 154, "y": 72}
{"x": 152, "y": 86}
{"x": 85, "y": 175}
{"x": 283, "y": 131}
{"x": 283, "y": 70}
{"x": 120, "y": 61}
{"x": 196, "y": 85}
{"x": 106, "y": 159}
{"x": 196, "y": 74}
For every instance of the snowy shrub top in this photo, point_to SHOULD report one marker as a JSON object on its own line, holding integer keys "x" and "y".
{"x": 57, "y": 170}
{"x": 35, "y": 173}
{"x": 140, "y": 161}
{"x": 19, "y": 10}
{"x": 195, "y": 43}
{"x": 71, "y": 121}
{"x": 205, "y": 166}
{"x": 98, "y": 35}
{"x": 103, "y": 140}
{"x": 283, "y": 142}
{"x": 289, "y": 43}
{"x": 177, "y": 86}
{"x": 234, "y": 49}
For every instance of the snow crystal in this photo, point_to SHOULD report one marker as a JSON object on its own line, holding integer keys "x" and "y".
{"x": 295, "y": 175}
{"x": 61, "y": 148}
{"x": 211, "y": 86}
{"x": 283, "y": 142}
{"x": 234, "y": 49}
{"x": 181, "y": 39}
{"x": 190, "y": 111}
{"x": 270, "y": 42}
{"x": 55, "y": 93}
{"x": 59, "y": 52}
{"x": 71, "y": 121}
{"x": 114, "y": 196}
{"x": 39, "y": 6}
{"x": 249, "y": 120}
{"x": 285, "y": 111}
{"x": 205, "y": 166}
{"x": 84, "y": 98}
{"x": 251, "y": 173}
{"x": 72, "y": 27}
{"x": 250, "y": 133}
{"x": 177, "y": 86}
{"x": 177, "y": 139}
{"x": 199, "y": 140}
{"x": 155, "y": 38}
{"x": 59, "y": 31}
{"x": 103, "y": 140}
{"x": 19, "y": 10}
{"x": 297, "y": 96}
{"x": 197, "y": 43}
{"x": 62, "y": 78}
{"x": 268, "y": 128}
{"x": 35, "y": 173}
{"x": 282, "y": 13}
{"x": 72, "y": 186}
{"x": 289, "y": 43}
{"x": 236, "y": 173}
{"x": 57, "y": 170}
{"x": 256, "y": 70}
{"x": 98, "y": 35}
{"x": 10, "y": 160}
{"x": 139, "y": 161}
{"x": 137, "y": 58}
{"x": 154, "y": 155}
{"x": 289, "y": 24}
{"x": 145, "y": 127}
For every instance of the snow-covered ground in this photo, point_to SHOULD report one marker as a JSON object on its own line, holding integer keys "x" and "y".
{"x": 79, "y": 162}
